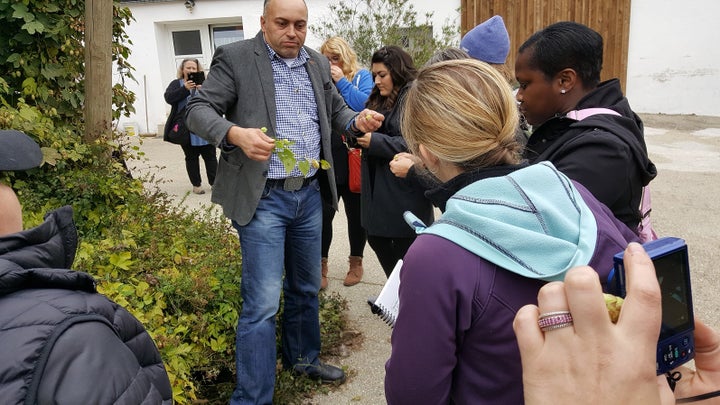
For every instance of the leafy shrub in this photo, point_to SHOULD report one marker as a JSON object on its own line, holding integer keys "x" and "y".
{"x": 177, "y": 270}
{"x": 42, "y": 58}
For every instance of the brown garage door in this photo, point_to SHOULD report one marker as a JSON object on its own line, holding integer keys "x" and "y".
{"x": 611, "y": 18}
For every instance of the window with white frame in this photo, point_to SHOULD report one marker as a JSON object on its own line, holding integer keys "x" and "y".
{"x": 225, "y": 34}
{"x": 187, "y": 43}
{"x": 200, "y": 41}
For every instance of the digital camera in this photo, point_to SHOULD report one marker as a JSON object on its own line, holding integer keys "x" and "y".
{"x": 676, "y": 344}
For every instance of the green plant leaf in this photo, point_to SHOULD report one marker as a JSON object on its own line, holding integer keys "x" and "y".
{"x": 52, "y": 70}
{"x": 29, "y": 86}
{"x": 21, "y": 11}
{"x": 33, "y": 27}
{"x": 304, "y": 167}
{"x": 287, "y": 157}
{"x": 121, "y": 260}
{"x": 50, "y": 155}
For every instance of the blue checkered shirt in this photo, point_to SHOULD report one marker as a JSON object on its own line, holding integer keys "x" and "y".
{"x": 297, "y": 112}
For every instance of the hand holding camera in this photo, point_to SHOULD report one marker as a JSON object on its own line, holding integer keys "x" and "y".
{"x": 670, "y": 258}
{"x": 589, "y": 359}
{"x": 558, "y": 364}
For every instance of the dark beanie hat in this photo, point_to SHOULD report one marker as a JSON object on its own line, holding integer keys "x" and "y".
{"x": 18, "y": 151}
{"x": 488, "y": 41}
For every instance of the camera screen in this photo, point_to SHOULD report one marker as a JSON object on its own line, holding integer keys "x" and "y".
{"x": 671, "y": 273}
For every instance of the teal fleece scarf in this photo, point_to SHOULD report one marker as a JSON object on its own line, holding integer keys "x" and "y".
{"x": 532, "y": 222}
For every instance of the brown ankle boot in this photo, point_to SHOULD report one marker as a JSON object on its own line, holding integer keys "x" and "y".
{"x": 324, "y": 267}
{"x": 355, "y": 273}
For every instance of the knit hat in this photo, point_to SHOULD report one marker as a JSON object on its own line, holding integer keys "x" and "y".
{"x": 488, "y": 41}
{"x": 18, "y": 151}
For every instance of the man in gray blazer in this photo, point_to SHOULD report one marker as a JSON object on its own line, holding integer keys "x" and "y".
{"x": 258, "y": 90}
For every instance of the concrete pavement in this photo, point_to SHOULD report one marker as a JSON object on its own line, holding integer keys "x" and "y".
{"x": 686, "y": 150}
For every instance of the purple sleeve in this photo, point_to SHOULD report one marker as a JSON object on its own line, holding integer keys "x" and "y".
{"x": 434, "y": 301}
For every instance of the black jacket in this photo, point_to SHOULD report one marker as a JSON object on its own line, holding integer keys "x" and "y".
{"x": 605, "y": 153}
{"x": 385, "y": 197}
{"x": 174, "y": 95}
{"x": 61, "y": 341}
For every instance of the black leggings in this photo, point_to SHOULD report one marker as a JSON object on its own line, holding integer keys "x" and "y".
{"x": 356, "y": 233}
{"x": 389, "y": 250}
{"x": 192, "y": 163}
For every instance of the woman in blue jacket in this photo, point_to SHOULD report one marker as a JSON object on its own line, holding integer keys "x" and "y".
{"x": 354, "y": 84}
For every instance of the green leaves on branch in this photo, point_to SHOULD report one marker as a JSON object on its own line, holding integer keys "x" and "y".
{"x": 42, "y": 57}
{"x": 289, "y": 161}
{"x": 369, "y": 24}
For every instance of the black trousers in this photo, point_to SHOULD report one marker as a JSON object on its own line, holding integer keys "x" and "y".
{"x": 356, "y": 233}
{"x": 389, "y": 250}
{"x": 192, "y": 163}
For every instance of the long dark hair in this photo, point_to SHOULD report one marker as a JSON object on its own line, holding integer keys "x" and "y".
{"x": 402, "y": 71}
{"x": 567, "y": 44}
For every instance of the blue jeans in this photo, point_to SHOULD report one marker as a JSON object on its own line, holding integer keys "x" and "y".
{"x": 284, "y": 235}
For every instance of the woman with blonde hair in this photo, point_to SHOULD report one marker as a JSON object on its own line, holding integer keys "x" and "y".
{"x": 177, "y": 94}
{"x": 351, "y": 80}
{"x": 354, "y": 84}
{"x": 495, "y": 46}
{"x": 507, "y": 229}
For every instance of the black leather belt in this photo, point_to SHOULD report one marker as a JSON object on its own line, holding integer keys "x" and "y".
{"x": 290, "y": 183}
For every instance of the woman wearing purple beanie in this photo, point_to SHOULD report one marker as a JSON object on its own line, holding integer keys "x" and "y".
{"x": 489, "y": 42}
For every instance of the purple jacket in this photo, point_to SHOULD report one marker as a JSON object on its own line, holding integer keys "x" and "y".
{"x": 453, "y": 341}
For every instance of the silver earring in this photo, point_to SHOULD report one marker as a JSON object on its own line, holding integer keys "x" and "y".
{"x": 562, "y": 91}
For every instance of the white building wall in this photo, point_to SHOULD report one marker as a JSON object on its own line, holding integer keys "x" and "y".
{"x": 152, "y": 50}
{"x": 673, "y": 58}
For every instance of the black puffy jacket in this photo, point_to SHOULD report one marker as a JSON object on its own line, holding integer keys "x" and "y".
{"x": 61, "y": 341}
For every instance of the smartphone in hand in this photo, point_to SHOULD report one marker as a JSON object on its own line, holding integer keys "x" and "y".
{"x": 197, "y": 77}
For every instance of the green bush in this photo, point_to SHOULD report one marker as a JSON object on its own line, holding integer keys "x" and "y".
{"x": 177, "y": 270}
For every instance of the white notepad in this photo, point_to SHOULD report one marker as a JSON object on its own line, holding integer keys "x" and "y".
{"x": 387, "y": 304}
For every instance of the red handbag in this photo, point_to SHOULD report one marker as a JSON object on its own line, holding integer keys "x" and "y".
{"x": 354, "y": 176}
